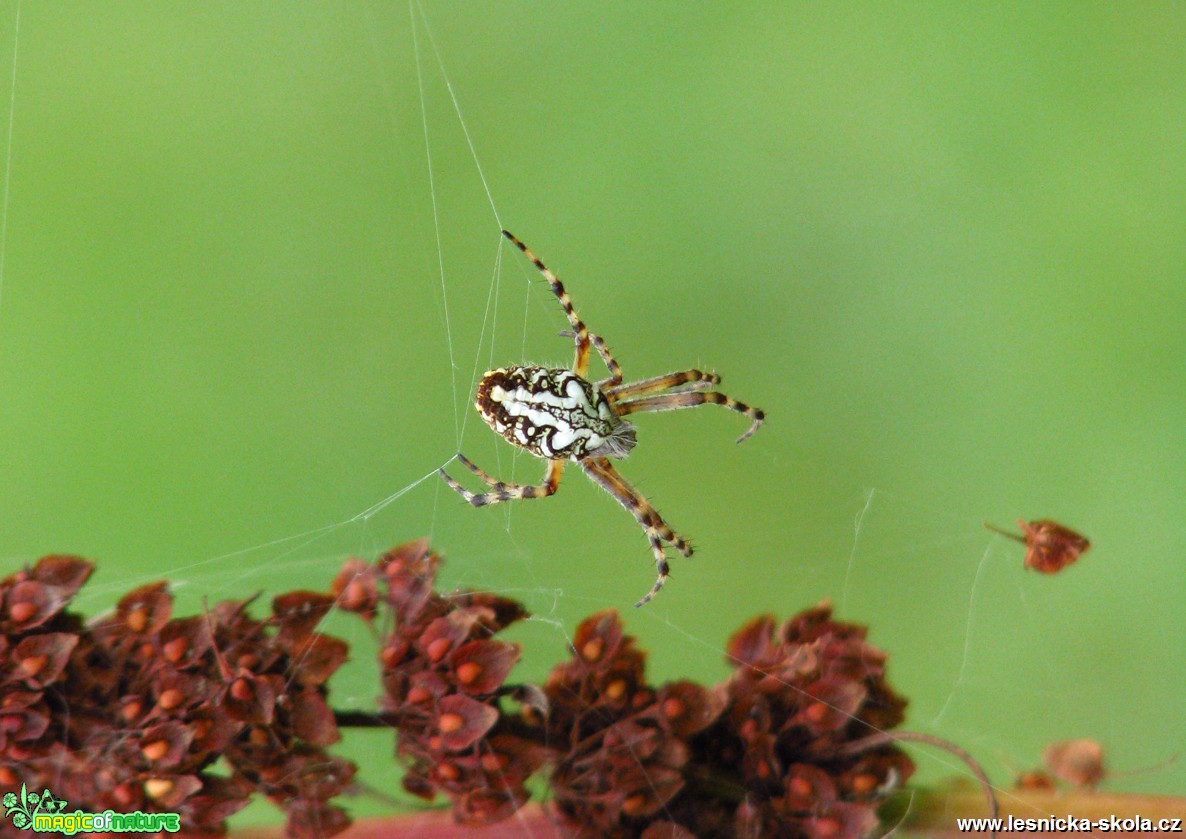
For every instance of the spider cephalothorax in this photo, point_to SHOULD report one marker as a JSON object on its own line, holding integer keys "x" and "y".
{"x": 560, "y": 415}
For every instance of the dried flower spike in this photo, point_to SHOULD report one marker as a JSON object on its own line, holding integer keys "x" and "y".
{"x": 132, "y": 711}
{"x": 1049, "y": 546}
{"x": 443, "y": 679}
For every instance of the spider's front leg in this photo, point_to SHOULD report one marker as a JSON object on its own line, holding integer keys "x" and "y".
{"x": 691, "y": 396}
{"x": 580, "y": 333}
{"x": 501, "y": 491}
{"x": 657, "y": 531}
{"x": 681, "y": 382}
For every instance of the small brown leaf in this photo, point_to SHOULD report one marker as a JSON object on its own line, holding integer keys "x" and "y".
{"x": 1049, "y": 546}
{"x": 355, "y": 588}
{"x": 463, "y": 721}
{"x": 31, "y": 604}
{"x": 481, "y": 667}
{"x": 752, "y": 645}
{"x": 42, "y": 658}
{"x": 316, "y": 657}
{"x": 144, "y": 610}
{"x": 313, "y": 720}
{"x": 298, "y": 613}
{"x": 67, "y": 573}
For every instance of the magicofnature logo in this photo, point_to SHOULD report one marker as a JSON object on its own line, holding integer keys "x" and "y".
{"x": 46, "y": 813}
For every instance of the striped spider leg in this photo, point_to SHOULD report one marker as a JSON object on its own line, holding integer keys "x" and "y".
{"x": 672, "y": 391}
{"x": 559, "y": 415}
{"x": 603, "y": 473}
{"x": 501, "y": 491}
{"x": 580, "y": 332}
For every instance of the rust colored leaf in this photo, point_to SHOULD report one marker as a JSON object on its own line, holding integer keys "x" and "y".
{"x": 30, "y": 604}
{"x": 462, "y": 721}
{"x": 298, "y": 613}
{"x": 40, "y": 659}
{"x": 1049, "y": 546}
{"x": 67, "y": 573}
{"x": 316, "y": 657}
{"x": 480, "y": 667}
{"x": 143, "y": 611}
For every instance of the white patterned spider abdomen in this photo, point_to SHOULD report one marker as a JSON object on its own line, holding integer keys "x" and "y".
{"x": 553, "y": 413}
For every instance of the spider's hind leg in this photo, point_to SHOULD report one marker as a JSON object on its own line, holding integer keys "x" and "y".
{"x": 501, "y": 491}
{"x": 662, "y": 568}
{"x": 657, "y": 530}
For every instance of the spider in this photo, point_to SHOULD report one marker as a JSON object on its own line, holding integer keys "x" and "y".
{"x": 559, "y": 415}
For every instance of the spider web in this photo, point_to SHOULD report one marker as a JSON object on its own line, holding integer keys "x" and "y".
{"x": 923, "y": 573}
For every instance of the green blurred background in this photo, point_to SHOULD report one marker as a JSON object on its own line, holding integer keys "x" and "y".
{"x": 942, "y": 245}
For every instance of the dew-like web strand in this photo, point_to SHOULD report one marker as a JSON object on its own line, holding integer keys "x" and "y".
{"x": 856, "y": 540}
{"x": 416, "y": 9}
{"x": 457, "y": 108}
{"x": 489, "y": 314}
{"x": 365, "y": 517}
{"x": 436, "y": 222}
{"x": 482, "y": 335}
{"x": 959, "y": 679}
{"x": 304, "y": 538}
{"x": 16, "y": 40}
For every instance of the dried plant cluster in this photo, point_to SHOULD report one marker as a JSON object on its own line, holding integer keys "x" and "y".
{"x": 780, "y": 749}
{"x": 443, "y": 679}
{"x": 133, "y": 711}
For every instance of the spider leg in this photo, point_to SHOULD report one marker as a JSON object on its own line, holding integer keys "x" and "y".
{"x": 500, "y": 491}
{"x": 690, "y": 399}
{"x": 477, "y": 470}
{"x": 685, "y": 380}
{"x": 602, "y": 472}
{"x": 581, "y": 334}
{"x": 611, "y": 479}
{"x": 611, "y": 364}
